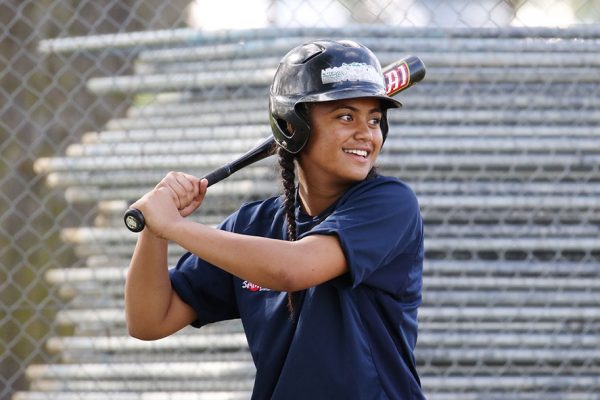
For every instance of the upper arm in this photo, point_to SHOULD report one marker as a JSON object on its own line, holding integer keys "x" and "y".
{"x": 178, "y": 315}
{"x": 320, "y": 258}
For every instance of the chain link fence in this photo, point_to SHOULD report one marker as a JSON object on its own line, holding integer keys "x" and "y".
{"x": 98, "y": 99}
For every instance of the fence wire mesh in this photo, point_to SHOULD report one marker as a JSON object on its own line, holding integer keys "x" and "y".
{"x": 98, "y": 99}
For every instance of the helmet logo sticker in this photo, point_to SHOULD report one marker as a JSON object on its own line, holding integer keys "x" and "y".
{"x": 351, "y": 72}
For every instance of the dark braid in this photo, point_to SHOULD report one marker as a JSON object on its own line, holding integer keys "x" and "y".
{"x": 288, "y": 180}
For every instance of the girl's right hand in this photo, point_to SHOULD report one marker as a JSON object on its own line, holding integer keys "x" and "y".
{"x": 176, "y": 196}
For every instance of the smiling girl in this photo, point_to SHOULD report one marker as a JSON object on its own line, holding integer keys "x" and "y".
{"x": 326, "y": 278}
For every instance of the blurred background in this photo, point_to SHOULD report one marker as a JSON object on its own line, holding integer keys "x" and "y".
{"x": 99, "y": 99}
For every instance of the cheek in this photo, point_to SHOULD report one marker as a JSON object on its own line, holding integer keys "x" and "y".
{"x": 378, "y": 139}
{"x": 319, "y": 139}
{"x": 377, "y": 142}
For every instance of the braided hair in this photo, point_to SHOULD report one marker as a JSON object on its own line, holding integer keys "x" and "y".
{"x": 288, "y": 180}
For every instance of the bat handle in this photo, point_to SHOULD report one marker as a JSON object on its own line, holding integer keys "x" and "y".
{"x": 218, "y": 174}
{"x": 134, "y": 220}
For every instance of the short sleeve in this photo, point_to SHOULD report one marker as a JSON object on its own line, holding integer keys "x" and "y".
{"x": 380, "y": 229}
{"x": 207, "y": 289}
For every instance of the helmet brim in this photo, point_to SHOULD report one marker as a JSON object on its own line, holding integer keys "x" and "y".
{"x": 350, "y": 93}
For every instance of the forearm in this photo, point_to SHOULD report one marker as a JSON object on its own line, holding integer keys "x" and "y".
{"x": 275, "y": 264}
{"x": 147, "y": 287}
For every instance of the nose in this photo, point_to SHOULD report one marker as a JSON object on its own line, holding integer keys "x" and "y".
{"x": 363, "y": 131}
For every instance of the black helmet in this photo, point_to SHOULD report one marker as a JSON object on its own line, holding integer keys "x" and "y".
{"x": 322, "y": 70}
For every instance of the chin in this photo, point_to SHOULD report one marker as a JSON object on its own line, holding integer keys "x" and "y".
{"x": 357, "y": 177}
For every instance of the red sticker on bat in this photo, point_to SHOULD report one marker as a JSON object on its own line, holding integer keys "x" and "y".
{"x": 397, "y": 79}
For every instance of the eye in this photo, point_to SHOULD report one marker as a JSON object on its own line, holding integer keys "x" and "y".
{"x": 375, "y": 120}
{"x": 347, "y": 117}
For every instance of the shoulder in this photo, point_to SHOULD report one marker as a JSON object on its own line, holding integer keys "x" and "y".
{"x": 266, "y": 208}
{"x": 383, "y": 191}
{"x": 254, "y": 214}
{"x": 386, "y": 205}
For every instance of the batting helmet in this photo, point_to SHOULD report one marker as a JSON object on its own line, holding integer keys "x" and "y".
{"x": 322, "y": 70}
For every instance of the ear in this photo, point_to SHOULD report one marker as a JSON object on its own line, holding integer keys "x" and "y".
{"x": 290, "y": 128}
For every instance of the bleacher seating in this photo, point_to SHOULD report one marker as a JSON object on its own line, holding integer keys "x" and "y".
{"x": 500, "y": 142}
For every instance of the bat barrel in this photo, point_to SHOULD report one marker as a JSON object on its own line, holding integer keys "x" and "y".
{"x": 403, "y": 74}
{"x": 417, "y": 69}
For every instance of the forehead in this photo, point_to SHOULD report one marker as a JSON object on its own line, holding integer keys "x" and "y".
{"x": 367, "y": 104}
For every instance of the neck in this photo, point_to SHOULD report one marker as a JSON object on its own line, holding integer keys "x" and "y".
{"x": 317, "y": 197}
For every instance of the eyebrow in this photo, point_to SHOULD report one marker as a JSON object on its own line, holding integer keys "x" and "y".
{"x": 373, "y": 110}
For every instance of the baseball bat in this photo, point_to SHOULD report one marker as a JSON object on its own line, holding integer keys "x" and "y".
{"x": 399, "y": 76}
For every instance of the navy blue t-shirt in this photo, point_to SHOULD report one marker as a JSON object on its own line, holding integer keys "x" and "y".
{"x": 353, "y": 337}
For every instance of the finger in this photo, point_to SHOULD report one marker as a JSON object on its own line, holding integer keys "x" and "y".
{"x": 181, "y": 186}
{"x": 190, "y": 182}
{"x": 197, "y": 200}
{"x": 171, "y": 183}
{"x": 191, "y": 186}
{"x": 202, "y": 187}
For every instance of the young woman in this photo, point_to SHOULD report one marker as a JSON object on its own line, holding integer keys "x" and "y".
{"x": 325, "y": 278}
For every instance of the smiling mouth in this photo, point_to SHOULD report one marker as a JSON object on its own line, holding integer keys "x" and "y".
{"x": 361, "y": 153}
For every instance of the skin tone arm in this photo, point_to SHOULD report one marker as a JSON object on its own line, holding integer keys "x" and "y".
{"x": 154, "y": 310}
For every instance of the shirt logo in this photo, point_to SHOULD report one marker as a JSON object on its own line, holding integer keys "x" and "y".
{"x": 253, "y": 287}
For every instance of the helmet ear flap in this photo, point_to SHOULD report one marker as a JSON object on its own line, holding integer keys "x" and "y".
{"x": 292, "y": 140}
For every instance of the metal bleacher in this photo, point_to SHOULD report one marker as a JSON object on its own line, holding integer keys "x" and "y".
{"x": 500, "y": 142}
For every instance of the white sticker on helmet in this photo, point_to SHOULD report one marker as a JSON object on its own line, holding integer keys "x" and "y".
{"x": 351, "y": 72}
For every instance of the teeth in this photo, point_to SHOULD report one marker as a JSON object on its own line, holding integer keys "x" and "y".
{"x": 362, "y": 153}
